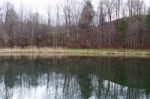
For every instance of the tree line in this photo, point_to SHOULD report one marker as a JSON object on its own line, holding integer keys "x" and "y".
{"x": 76, "y": 24}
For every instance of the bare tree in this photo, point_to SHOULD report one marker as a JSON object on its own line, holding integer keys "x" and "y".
{"x": 1, "y": 15}
{"x": 101, "y": 13}
{"x": 135, "y": 7}
{"x": 72, "y": 26}
{"x": 110, "y": 8}
{"x": 118, "y": 4}
{"x": 67, "y": 15}
{"x": 57, "y": 15}
{"x": 49, "y": 14}
{"x": 124, "y": 11}
{"x": 138, "y": 7}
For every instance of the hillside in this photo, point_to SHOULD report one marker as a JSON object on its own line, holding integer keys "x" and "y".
{"x": 77, "y": 25}
{"x": 123, "y": 33}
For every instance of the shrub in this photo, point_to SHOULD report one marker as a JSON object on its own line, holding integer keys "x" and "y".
{"x": 122, "y": 28}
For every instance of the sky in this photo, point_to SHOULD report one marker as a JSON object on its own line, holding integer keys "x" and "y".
{"x": 42, "y": 5}
{"x": 38, "y": 5}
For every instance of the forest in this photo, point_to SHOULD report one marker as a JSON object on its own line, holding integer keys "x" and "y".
{"x": 77, "y": 24}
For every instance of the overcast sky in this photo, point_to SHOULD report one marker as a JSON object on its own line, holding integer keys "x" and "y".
{"x": 41, "y": 5}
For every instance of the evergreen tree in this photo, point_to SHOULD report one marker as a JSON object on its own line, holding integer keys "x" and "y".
{"x": 86, "y": 15}
{"x": 122, "y": 28}
{"x": 10, "y": 23}
{"x": 148, "y": 17}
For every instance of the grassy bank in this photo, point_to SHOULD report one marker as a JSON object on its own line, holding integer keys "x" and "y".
{"x": 74, "y": 52}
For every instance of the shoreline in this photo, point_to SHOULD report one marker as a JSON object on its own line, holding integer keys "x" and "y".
{"x": 73, "y": 52}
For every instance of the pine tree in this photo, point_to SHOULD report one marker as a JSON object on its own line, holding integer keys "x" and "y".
{"x": 122, "y": 28}
{"x": 148, "y": 18}
{"x": 86, "y": 15}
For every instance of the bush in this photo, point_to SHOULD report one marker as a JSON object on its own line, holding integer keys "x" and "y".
{"x": 148, "y": 20}
{"x": 122, "y": 28}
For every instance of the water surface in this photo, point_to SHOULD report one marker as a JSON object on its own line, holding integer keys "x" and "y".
{"x": 74, "y": 78}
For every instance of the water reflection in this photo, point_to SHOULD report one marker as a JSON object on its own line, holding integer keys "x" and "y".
{"x": 74, "y": 78}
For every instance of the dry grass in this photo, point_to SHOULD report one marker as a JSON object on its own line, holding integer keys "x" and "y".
{"x": 33, "y": 51}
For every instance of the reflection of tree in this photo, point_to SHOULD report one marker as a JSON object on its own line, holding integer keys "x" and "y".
{"x": 85, "y": 85}
{"x": 121, "y": 76}
{"x": 100, "y": 87}
{"x": 66, "y": 85}
{"x": 147, "y": 84}
{"x": 10, "y": 77}
{"x": 79, "y": 77}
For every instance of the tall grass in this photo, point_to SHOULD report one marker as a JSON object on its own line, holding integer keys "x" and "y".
{"x": 73, "y": 52}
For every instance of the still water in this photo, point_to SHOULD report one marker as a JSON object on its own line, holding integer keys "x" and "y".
{"x": 74, "y": 78}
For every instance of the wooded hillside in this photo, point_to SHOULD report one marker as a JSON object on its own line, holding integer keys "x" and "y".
{"x": 113, "y": 24}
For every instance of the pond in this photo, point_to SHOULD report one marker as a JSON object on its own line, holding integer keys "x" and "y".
{"x": 74, "y": 78}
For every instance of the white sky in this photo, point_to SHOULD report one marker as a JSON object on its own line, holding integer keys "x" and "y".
{"x": 42, "y": 5}
{"x": 38, "y": 5}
